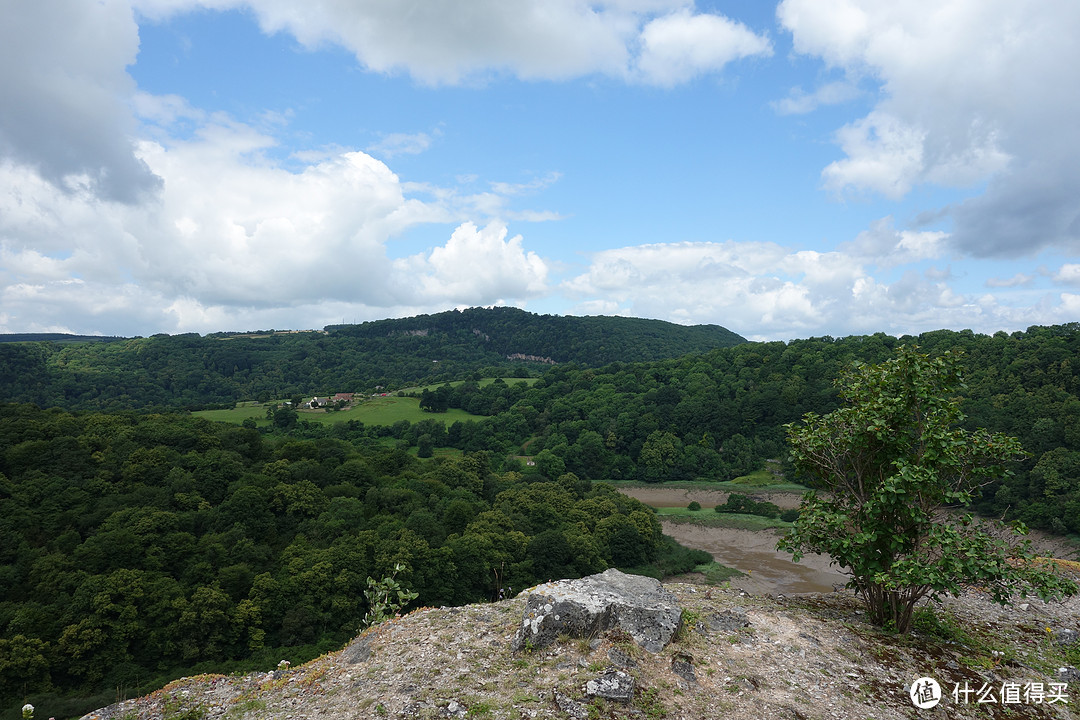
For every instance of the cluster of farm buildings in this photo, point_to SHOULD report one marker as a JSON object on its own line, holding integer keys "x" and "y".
{"x": 335, "y": 400}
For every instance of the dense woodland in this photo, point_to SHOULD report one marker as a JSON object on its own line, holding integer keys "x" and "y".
{"x": 137, "y": 544}
{"x": 138, "y": 547}
{"x": 721, "y": 414}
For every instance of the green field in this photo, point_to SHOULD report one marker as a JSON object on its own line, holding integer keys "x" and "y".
{"x": 708, "y": 517}
{"x": 373, "y": 411}
{"x": 742, "y": 484}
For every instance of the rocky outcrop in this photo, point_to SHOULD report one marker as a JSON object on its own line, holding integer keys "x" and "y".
{"x": 530, "y": 358}
{"x": 812, "y": 657}
{"x": 640, "y": 606}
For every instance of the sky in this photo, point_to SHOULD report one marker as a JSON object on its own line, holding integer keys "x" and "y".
{"x": 785, "y": 170}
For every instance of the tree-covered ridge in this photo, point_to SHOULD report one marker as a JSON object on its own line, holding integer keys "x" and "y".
{"x": 721, "y": 414}
{"x": 191, "y": 371}
{"x": 139, "y": 546}
{"x": 55, "y": 337}
{"x": 590, "y": 340}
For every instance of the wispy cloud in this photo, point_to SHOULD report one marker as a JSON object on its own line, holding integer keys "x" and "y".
{"x": 394, "y": 144}
{"x": 800, "y": 102}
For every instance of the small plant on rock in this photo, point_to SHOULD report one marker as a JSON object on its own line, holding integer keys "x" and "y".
{"x": 386, "y": 598}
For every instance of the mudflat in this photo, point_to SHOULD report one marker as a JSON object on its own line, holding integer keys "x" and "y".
{"x": 754, "y": 552}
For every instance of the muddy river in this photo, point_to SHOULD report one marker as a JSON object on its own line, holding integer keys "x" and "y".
{"x": 752, "y": 552}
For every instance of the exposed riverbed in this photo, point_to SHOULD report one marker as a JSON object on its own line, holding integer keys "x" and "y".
{"x": 749, "y": 551}
{"x": 754, "y": 553}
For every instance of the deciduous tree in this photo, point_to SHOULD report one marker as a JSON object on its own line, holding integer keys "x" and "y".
{"x": 891, "y": 459}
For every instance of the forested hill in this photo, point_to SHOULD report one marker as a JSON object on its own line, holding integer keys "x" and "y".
{"x": 55, "y": 337}
{"x": 193, "y": 371}
{"x": 593, "y": 340}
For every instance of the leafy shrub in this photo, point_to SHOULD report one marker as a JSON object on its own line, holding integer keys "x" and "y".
{"x": 386, "y": 598}
{"x": 790, "y": 515}
{"x": 672, "y": 559}
{"x": 746, "y": 505}
{"x": 694, "y": 505}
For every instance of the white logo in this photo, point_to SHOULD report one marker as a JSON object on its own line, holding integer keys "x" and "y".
{"x": 925, "y": 693}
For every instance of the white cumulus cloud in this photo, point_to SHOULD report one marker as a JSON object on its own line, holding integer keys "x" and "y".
{"x": 233, "y": 237}
{"x": 679, "y": 46}
{"x": 444, "y": 42}
{"x": 475, "y": 266}
{"x": 765, "y": 291}
{"x": 64, "y": 90}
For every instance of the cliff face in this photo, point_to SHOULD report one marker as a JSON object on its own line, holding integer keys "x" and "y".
{"x": 736, "y": 655}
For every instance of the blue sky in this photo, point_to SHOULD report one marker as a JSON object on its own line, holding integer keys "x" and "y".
{"x": 782, "y": 169}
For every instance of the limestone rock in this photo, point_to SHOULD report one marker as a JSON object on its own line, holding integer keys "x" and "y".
{"x": 358, "y": 651}
{"x": 683, "y": 666}
{"x": 620, "y": 658}
{"x": 570, "y": 706}
{"x": 638, "y": 605}
{"x": 612, "y": 685}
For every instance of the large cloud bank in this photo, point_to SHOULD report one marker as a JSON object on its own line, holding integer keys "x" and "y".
{"x": 123, "y": 212}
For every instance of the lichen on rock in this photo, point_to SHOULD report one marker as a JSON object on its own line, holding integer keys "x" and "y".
{"x": 638, "y": 605}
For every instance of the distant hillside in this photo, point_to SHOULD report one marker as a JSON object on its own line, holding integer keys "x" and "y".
{"x": 193, "y": 371}
{"x": 55, "y": 337}
{"x": 593, "y": 340}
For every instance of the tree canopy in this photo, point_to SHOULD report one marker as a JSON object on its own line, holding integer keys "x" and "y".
{"x": 134, "y": 548}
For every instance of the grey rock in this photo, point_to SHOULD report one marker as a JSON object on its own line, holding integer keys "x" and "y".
{"x": 620, "y": 658}
{"x": 570, "y": 706}
{"x": 638, "y": 605}
{"x": 728, "y": 621}
{"x": 1066, "y": 637}
{"x": 612, "y": 685}
{"x": 1068, "y": 674}
{"x": 453, "y": 709}
{"x": 358, "y": 651}
{"x": 682, "y": 666}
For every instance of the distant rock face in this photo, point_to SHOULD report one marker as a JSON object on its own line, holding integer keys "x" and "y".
{"x": 638, "y": 605}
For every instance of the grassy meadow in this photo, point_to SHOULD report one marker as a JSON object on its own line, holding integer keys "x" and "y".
{"x": 755, "y": 482}
{"x": 708, "y": 517}
{"x": 371, "y": 411}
